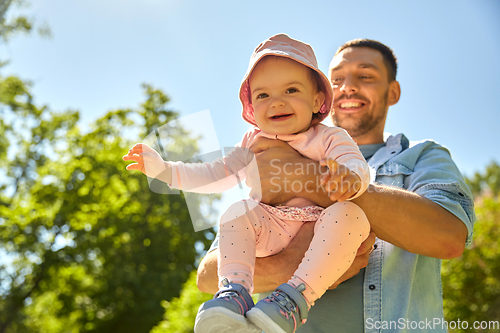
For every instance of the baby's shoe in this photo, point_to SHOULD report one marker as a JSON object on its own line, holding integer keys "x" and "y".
{"x": 226, "y": 312}
{"x": 283, "y": 311}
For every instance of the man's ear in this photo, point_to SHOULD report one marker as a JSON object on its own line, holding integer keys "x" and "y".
{"x": 318, "y": 101}
{"x": 394, "y": 93}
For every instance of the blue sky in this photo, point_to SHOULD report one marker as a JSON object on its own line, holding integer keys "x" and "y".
{"x": 198, "y": 51}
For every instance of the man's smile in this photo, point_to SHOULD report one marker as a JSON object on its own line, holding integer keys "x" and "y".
{"x": 350, "y": 105}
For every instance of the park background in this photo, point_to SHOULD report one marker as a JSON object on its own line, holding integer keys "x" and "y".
{"x": 86, "y": 247}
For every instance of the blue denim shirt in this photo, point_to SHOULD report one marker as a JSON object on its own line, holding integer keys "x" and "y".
{"x": 402, "y": 291}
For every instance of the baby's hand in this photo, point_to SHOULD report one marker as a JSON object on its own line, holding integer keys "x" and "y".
{"x": 149, "y": 162}
{"x": 341, "y": 183}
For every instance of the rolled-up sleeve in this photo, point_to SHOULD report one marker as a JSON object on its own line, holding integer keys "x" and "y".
{"x": 436, "y": 177}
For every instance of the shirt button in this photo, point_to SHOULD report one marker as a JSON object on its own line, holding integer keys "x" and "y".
{"x": 374, "y": 246}
{"x": 372, "y": 287}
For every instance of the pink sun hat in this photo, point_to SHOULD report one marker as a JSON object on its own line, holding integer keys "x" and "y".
{"x": 282, "y": 45}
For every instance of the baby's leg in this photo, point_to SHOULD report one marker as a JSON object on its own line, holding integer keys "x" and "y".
{"x": 247, "y": 230}
{"x": 238, "y": 231}
{"x": 338, "y": 233}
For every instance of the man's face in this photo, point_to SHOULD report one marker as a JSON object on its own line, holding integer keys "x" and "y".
{"x": 360, "y": 89}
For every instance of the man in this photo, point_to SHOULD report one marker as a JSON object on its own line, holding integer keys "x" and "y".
{"x": 418, "y": 206}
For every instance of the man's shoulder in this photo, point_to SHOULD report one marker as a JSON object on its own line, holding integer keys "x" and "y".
{"x": 414, "y": 146}
{"x": 425, "y": 144}
{"x": 398, "y": 150}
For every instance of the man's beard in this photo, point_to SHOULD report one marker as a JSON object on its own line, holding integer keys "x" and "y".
{"x": 365, "y": 124}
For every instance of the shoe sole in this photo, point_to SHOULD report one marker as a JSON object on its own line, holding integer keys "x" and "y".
{"x": 222, "y": 320}
{"x": 263, "y": 321}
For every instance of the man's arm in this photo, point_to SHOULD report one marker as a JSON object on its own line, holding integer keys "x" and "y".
{"x": 412, "y": 222}
{"x": 405, "y": 219}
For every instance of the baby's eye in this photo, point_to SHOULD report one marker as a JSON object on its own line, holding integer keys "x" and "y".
{"x": 263, "y": 95}
{"x": 291, "y": 90}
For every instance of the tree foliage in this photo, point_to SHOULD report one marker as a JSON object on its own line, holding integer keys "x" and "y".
{"x": 11, "y": 25}
{"x": 486, "y": 183}
{"x": 180, "y": 313}
{"x": 86, "y": 246}
{"x": 471, "y": 283}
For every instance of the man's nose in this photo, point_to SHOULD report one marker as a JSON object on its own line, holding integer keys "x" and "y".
{"x": 349, "y": 85}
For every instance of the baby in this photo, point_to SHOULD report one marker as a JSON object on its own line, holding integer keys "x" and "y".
{"x": 285, "y": 97}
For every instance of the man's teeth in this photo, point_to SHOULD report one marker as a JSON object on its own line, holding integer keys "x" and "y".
{"x": 350, "y": 105}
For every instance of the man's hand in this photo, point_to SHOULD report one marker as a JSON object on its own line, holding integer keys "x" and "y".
{"x": 272, "y": 271}
{"x": 360, "y": 261}
{"x": 299, "y": 245}
{"x": 341, "y": 183}
{"x": 281, "y": 170}
{"x": 284, "y": 264}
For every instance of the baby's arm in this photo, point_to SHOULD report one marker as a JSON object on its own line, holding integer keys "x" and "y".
{"x": 149, "y": 162}
{"x": 218, "y": 176}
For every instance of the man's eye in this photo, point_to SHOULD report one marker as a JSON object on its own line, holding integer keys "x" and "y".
{"x": 336, "y": 80}
{"x": 365, "y": 77}
{"x": 291, "y": 90}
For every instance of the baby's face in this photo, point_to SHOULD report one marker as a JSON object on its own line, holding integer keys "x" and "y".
{"x": 284, "y": 97}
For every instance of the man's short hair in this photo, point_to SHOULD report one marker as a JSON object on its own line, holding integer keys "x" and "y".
{"x": 390, "y": 59}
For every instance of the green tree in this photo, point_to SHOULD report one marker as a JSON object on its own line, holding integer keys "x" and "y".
{"x": 471, "y": 283}
{"x": 10, "y": 26}
{"x": 90, "y": 247}
{"x": 180, "y": 313}
{"x": 13, "y": 25}
{"x": 85, "y": 246}
{"x": 486, "y": 183}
